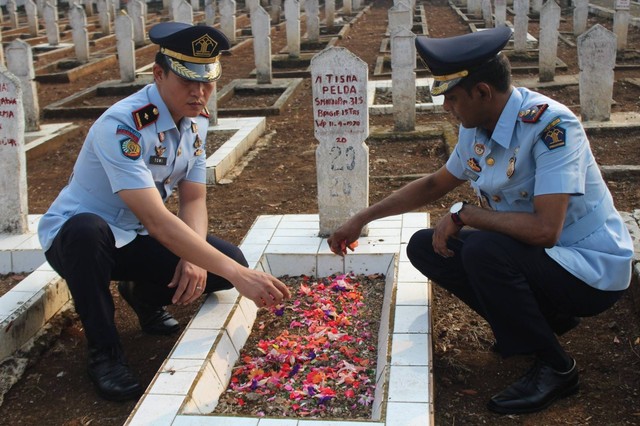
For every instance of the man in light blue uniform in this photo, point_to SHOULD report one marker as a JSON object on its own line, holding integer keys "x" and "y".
{"x": 110, "y": 222}
{"x": 548, "y": 245}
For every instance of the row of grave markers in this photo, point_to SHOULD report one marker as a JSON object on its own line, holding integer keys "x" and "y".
{"x": 340, "y": 118}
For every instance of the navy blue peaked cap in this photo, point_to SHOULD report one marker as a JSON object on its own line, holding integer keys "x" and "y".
{"x": 191, "y": 51}
{"x": 453, "y": 58}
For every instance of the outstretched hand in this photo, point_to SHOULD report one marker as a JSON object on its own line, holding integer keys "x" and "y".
{"x": 263, "y": 289}
{"x": 344, "y": 237}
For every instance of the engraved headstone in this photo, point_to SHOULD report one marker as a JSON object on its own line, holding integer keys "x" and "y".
{"x": 13, "y": 184}
{"x": 548, "y": 44}
{"x": 125, "y": 47}
{"x": 292, "y": 26}
{"x": 261, "y": 30}
{"x": 596, "y": 60}
{"x": 341, "y": 125}
{"x": 403, "y": 79}
{"x": 79, "y": 33}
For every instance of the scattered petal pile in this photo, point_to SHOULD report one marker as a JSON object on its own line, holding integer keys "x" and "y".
{"x": 315, "y": 356}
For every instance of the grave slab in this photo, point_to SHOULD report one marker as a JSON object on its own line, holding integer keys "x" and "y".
{"x": 207, "y": 350}
{"x": 285, "y": 87}
{"x": 376, "y": 86}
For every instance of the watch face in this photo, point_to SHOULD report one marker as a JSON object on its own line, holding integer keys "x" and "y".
{"x": 456, "y": 207}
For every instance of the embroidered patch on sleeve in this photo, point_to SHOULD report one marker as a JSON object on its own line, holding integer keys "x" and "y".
{"x": 554, "y": 136}
{"x": 146, "y": 115}
{"x": 532, "y": 115}
{"x": 130, "y": 148}
{"x": 123, "y": 129}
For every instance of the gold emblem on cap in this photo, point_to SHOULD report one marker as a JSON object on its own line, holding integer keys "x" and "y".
{"x": 204, "y": 46}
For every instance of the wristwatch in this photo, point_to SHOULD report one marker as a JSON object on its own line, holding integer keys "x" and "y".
{"x": 455, "y": 213}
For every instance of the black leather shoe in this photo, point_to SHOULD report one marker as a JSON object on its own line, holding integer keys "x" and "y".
{"x": 111, "y": 375}
{"x": 153, "y": 319}
{"x": 536, "y": 390}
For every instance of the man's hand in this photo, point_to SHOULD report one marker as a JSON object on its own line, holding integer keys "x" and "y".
{"x": 265, "y": 290}
{"x": 345, "y": 236}
{"x": 444, "y": 230}
{"x": 189, "y": 281}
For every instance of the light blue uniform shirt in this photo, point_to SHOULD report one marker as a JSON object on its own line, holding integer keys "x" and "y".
{"x": 135, "y": 144}
{"x": 539, "y": 147}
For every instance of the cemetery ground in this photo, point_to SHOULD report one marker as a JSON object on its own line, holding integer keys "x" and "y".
{"x": 278, "y": 177}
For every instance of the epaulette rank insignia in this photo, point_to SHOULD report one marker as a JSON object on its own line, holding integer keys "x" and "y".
{"x": 145, "y": 115}
{"x": 532, "y": 115}
{"x": 205, "y": 112}
{"x": 553, "y": 135}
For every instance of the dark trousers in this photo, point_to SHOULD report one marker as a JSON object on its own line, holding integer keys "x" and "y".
{"x": 516, "y": 287}
{"x": 85, "y": 255}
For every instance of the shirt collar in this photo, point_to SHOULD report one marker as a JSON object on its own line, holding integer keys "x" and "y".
{"x": 503, "y": 132}
{"x": 165, "y": 121}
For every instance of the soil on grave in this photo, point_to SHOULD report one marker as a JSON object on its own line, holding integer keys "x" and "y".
{"x": 281, "y": 179}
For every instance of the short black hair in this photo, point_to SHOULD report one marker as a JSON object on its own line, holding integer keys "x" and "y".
{"x": 162, "y": 61}
{"x": 496, "y": 72}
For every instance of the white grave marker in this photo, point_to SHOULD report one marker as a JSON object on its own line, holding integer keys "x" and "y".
{"x": 13, "y": 184}
{"x": 292, "y": 25}
{"x": 580, "y": 15}
{"x": 312, "y": 12}
{"x": 19, "y": 58}
{"x": 596, "y": 60}
{"x": 548, "y": 45}
{"x": 126, "y": 48}
{"x": 79, "y": 33}
{"x": 261, "y": 30}
{"x": 341, "y": 125}
{"x": 228, "y": 19}
{"x": 403, "y": 79}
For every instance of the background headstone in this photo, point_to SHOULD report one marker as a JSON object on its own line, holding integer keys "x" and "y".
{"x": 580, "y": 16}
{"x": 403, "y": 79}
{"x": 19, "y": 58}
{"x": 341, "y": 125}
{"x": 13, "y": 184}
{"x": 79, "y": 33}
{"x": 125, "y": 48}
{"x": 621, "y": 18}
{"x": 50, "y": 14}
{"x": 104, "y": 16}
{"x": 136, "y": 8}
{"x": 501, "y": 12}
{"x": 596, "y": 60}
{"x": 228, "y": 19}
{"x": 182, "y": 12}
{"x": 487, "y": 14}
{"x": 312, "y": 12}
{"x": 548, "y": 42}
{"x": 292, "y": 26}
{"x": 521, "y": 25}
{"x": 210, "y": 12}
{"x": 261, "y": 30}
{"x": 31, "y": 9}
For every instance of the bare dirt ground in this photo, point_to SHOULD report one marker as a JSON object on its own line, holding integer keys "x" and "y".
{"x": 279, "y": 179}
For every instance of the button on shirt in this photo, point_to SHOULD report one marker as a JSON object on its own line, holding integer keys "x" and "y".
{"x": 550, "y": 155}
{"x": 116, "y": 155}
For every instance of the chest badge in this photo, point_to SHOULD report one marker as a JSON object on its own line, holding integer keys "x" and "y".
{"x": 194, "y": 127}
{"x": 474, "y": 165}
{"x": 511, "y": 167}
{"x": 478, "y": 149}
{"x": 158, "y": 159}
{"x": 198, "y": 142}
{"x": 161, "y": 137}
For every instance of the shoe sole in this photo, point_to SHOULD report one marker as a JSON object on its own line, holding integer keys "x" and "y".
{"x": 568, "y": 392}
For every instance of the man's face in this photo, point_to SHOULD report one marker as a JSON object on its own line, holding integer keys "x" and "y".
{"x": 466, "y": 107}
{"x": 184, "y": 98}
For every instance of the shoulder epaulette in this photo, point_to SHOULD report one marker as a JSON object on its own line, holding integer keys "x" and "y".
{"x": 532, "y": 115}
{"x": 205, "y": 112}
{"x": 145, "y": 115}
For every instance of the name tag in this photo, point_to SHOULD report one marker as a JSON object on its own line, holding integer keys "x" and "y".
{"x": 470, "y": 175}
{"x": 158, "y": 161}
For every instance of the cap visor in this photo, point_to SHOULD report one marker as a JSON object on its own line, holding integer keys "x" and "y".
{"x": 205, "y": 73}
{"x": 440, "y": 87}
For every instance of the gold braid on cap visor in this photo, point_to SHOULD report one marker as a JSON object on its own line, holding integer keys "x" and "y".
{"x": 185, "y": 72}
{"x": 447, "y": 77}
{"x": 187, "y": 58}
